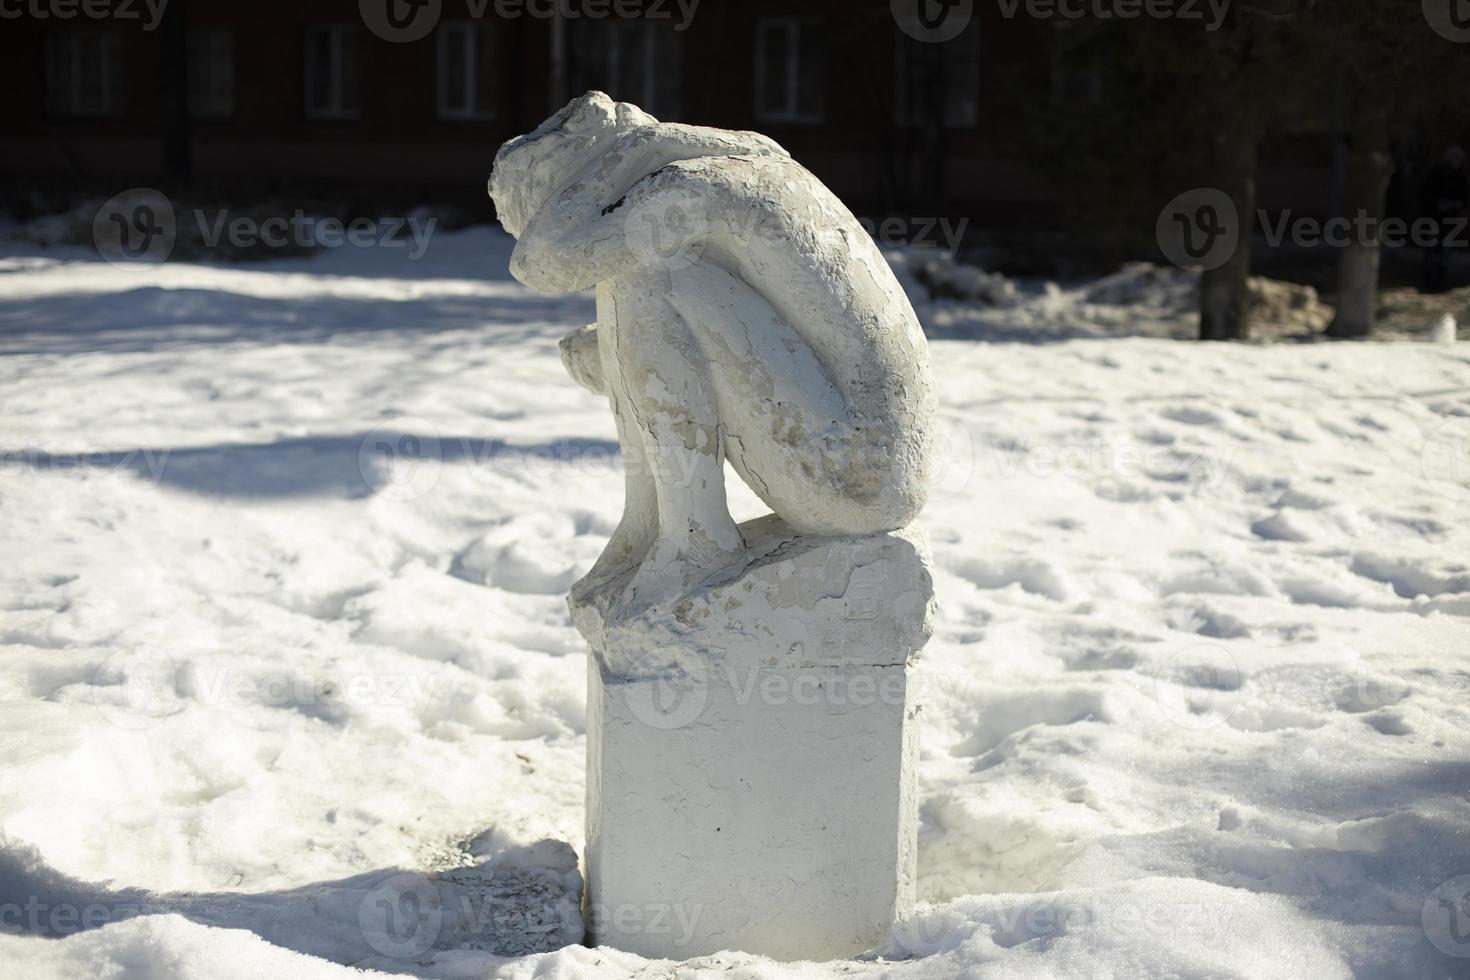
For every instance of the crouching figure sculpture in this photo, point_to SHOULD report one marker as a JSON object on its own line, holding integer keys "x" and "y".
{"x": 743, "y": 315}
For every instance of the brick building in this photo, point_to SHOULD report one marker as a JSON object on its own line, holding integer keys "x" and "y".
{"x": 314, "y": 90}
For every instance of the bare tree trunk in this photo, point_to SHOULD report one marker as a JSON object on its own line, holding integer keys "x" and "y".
{"x": 1370, "y": 165}
{"x": 560, "y": 75}
{"x": 1225, "y": 301}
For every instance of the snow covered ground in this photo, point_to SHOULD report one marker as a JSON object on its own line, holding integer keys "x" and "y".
{"x": 282, "y": 562}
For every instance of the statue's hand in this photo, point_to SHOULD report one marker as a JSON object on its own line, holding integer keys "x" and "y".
{"x": 582, "y": 359}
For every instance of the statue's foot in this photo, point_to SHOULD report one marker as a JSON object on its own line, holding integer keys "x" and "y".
{"x": 659, "y": 582}
{"x": 594, "y": 588}
{"x": 625, "y": 553}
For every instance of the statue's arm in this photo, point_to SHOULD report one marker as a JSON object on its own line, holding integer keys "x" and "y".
{"x": 579, "y": 238}
{"x": 575, "y": 259}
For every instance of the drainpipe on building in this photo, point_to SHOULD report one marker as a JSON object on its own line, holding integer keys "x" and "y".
{"x": 933, "y": 194}
{"x": 174, "y": 97}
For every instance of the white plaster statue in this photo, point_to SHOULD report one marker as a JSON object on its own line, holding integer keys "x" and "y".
{"x": 742, "y": 315}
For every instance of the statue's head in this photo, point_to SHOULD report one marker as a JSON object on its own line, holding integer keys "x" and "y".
{"x": 530, "y": 169}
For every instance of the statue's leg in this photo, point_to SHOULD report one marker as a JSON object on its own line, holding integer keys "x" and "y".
{"x": 638, "y": 527}
{"x": 793, "y": 434}
{"x": 669, "y": 422}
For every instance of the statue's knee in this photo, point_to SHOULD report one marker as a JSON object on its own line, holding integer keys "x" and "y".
{"x": 851, "y": 495}
{"x": 886, "y": 485}
{"x": 895, "y": 507}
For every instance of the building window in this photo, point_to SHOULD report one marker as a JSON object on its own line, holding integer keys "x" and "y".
{"x": 790, "y": 70}
{"x": 211, "y": 73}
{"x": 332, "y": 73}
{"x": 632, "y": 60}
{"x": 84, "y": 74}
{"x": 951, "y": 71}
{"x": 465, "y": 71}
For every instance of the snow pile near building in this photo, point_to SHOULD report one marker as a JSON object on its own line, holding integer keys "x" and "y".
{"x": 955, "y": 299}
{"x": 934, "y": 274}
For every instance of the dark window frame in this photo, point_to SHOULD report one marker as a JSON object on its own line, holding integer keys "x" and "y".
{"x": 791, "y": 71}
{"x": 344, "y": 70}
{"x": 69, "y": 51}
{"x": 475, "y": 38}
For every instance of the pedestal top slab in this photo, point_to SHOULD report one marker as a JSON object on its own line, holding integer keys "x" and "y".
{"x": 792, "y": 601}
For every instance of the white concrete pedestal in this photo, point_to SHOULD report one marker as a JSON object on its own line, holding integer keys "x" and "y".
{"x": 750, "y": 765}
